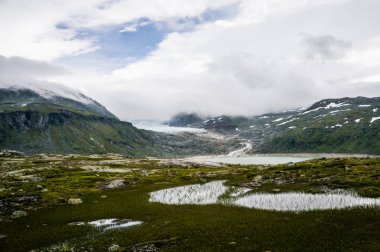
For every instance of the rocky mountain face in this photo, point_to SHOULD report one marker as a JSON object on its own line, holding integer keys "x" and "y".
{"x": 185, "y": 119}
{"x": 32, "y": 123}
{"x": 344, "y": 125}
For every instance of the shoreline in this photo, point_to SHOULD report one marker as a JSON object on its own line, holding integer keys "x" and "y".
{"x": 312, "y": 155}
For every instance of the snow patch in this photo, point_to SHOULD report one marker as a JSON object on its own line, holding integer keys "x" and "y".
{"x": 341, "y": 110}
{"x": 374, "y": 119}
{"x": 328, "y": 106}
{"x": 278, "y": 120}
{"x": 283, "y": 123}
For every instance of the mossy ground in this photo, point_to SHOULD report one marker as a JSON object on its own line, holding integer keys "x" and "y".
{"x": 185, "y": 227}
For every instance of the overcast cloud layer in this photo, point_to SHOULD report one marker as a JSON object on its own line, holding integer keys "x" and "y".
{"x": 242, "y": 57}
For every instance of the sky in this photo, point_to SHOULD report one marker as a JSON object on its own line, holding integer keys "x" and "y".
{"x": 152, "y": 59}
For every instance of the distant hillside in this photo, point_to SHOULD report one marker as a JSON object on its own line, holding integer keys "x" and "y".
{"x": 25, "y": 99}
{"x": 185, "y": 119}
{"x": 344, "y": 125}
{"x": 33, "y": 124}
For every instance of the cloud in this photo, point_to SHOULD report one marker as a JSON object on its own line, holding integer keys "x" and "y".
{"x": 324, "y": 47}
{"x": 249, "y": 63}
{"x": 19, "y": 73}
{"x": 48, "y": 30}
{"x": 16, "y": 69}
{"x": 244, "y": 65}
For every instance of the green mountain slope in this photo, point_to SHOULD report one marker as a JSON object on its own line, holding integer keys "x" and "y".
{"x": 34, "y": 124}
{"x": 344, "y": 125}
{"x": 347, "y": 125}
{"x": 26, "y": 99}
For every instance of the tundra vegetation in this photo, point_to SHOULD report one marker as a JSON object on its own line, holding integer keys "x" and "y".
{"x": 35, "y": 192}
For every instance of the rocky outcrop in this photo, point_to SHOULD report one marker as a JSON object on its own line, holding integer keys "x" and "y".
{"x": 74, "y": 201}
{"x": 117, "y": 183}
{"x": 18, "y": 214}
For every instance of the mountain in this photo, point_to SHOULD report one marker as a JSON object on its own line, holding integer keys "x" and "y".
{"x": 27, "y": 99}
{"x": 344, "y": 125}
{"x": 37, "y": 123}
{"x": 184, "y": 120}
{"x": 46, "y": 122}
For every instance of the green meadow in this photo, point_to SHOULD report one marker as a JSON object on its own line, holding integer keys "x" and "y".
{"x": 42, "y": 185}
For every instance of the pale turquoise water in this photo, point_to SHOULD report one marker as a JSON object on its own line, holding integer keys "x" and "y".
{"x": 257, "y": 159}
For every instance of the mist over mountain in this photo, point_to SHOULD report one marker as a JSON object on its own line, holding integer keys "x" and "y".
{"x": 33, "y": 123}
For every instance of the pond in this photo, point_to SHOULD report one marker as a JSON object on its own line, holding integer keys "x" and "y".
{"x": 107, "y": 224}
{"x": 217, "y": 193}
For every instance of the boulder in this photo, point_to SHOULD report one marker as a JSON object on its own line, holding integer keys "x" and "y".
{"x": 115, "y": 184}
{"x": 73, "y": 201}
{"x": 18, "y": 214}
{"x": 114, "y": 247}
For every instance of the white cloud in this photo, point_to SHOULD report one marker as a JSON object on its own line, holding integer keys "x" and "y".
{"x": 251, "y": 63}
{"x": 16, "y": 69}
{"x": 325, "y": 47}
{"x": 49, "y": 29}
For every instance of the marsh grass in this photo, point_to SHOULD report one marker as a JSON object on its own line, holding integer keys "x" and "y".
{"x": 207, "y": 228}
{"x": 192, "y": 227}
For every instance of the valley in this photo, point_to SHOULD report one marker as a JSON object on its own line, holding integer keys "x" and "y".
{"x": 73, "y": 177}
{"x": 69, "y": 199}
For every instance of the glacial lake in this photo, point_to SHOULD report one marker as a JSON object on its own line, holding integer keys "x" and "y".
{"x": 158, "y": 127}
{"x": 257, "y": 159}
{"x": 216, "y": 192}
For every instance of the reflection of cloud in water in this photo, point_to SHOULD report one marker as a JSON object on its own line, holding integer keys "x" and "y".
{"x": 194, "y": 194}
{"x": 210, "y": 193}
{"x": 106, "y": 224}
{"x": 304, "y": 201}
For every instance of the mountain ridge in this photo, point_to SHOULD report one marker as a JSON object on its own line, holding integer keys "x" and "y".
{"x": 34, "y": 124}
{"x": 345, "y": 125}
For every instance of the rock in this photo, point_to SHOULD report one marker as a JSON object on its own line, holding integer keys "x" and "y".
{"x": 18, "y": 214}
{"x": 39, "y": 187}
{"x": 73, "y": 201}
{"x": 145, "y": 248}
{"x": 2, "y": 236}
{"x": 258, "y": 178}
{"x": 104, "y": 196}
{"x": 3, "y": 189}
{"x": 114, "y": 247}
{"x": 44, "y": 190}
{"x": 117, "y": 183}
